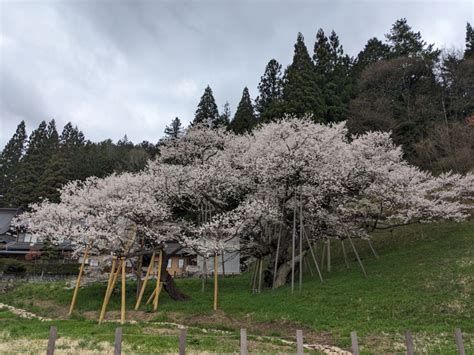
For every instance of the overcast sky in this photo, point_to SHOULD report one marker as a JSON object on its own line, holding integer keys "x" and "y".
{"x": 130, "y": 67}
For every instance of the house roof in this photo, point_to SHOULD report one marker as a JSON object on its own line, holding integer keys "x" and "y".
{"x": 6, "y": 216}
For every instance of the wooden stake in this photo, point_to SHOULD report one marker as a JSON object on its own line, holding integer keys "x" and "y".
{"x": 299, "y": 342}
{"x": 355, "y": 343}
{"x": 357, "y": 256}
{"x": 53, "y": 334}
{"x": 293, "y": 242}
{"x": 145, "y": 281}
{"x": 409, "y": 343}
{"x": 112, "y": 279}
{"x": 459, "y": 341}
{"x": 216, "y": 283}
{"x": 78, "y": 281}
{"x": 122, "y": 313}
{"x": 243, "y": 342}
{"x": 158, "y": 281}
{"x": 344, "y": 253}
{"x": 118, "y": 341}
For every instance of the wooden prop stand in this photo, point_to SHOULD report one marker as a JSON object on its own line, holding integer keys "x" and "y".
{"x": 78, "y": 282}
{"x": 216, "y": 282}
{"x": 112, "y": 279}
{"x": 158, "y": 281}
{"x": 145, "y": 281}
{"x": 122, "y": 313}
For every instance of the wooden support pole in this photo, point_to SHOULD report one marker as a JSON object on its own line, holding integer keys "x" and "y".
{"x": 293, "y": 247}
{"x": 182, "y": 341}
{"x": 223, "y": 266}
{"x": 329, "y": 254}
{"x": 323, "y": 257}
{"x": 355, "y": 344}
{"x": 372, "y": 248}
{"x": 145, "y": 281}
{"x": 255, "y": 275}
{"x": 78, "y": 281}
{"x": 53, "y": 335}
{"x": 204, "y": 273}
{"x": 344, "y": 253}
{"x": 243, "y": 342}
{"x": 110, "y": 286}
{"x": 216, "y": 281}
{"x": 260, "y": 271}
{"x": 158, "y": 281}
{"x": 152, "y": 296}
{"x": 299, "y": 342}
{"x": 459, "y": 341}
{"x": 301, "y": 248}
{"x": 276, "y": 257}
{"x": 308, "y": 266}
{"x": 314, "y": 258}
{"x": 409, "y": 343}
{"x": 124, "y": 270}
{"x": 118, "y": 341}
{"x": 357, "y": 256}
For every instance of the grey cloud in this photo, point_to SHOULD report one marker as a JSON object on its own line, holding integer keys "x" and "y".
{"x": 116, "y": 67}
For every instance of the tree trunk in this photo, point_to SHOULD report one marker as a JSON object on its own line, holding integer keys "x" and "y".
{"x": 284, "y": 270}
{"x": 168, "y": 283}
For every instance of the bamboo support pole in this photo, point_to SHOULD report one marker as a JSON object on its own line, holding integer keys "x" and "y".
{"x": 122, "y": 313}
{"x": 145, "y": 281}
{"x": 158, "y": 280}
{"x": 216, "y": 282}
{"x": 109, "y": 287}
{"x": 78, "y": 282}
{"x": 260, "y": 276}
{"x": 357, "y": 256}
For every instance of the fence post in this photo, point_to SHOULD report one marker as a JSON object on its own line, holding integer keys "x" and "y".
{"x": 299, "y": 342}
{"x": 409, "y": 343}
{"x": 53, "y": 334}
{"x": 459, "y": 341}
{"x": 243, "y": 342}
{"x": 182, "y": 341}
{"x": 355, "y": 343}
{"x": 118, "y": 341}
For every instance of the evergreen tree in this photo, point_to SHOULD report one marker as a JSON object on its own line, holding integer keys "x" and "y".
{"x": 333, "y": 70}
{"x": 469, "y": 51}
{"x": 207, "y": 113}
{"x": 10, "y": 158}
{"x": 244, "y": 119}
{"x": 225, "y": 116}
{"x": 301, "y": 92}
{"x": 24, "y": 189}
{"x": 373, "y": 52}
{"x": 270, "y": 89}
{"x": 175, "y": 129}
{"x": 403, "y": 41}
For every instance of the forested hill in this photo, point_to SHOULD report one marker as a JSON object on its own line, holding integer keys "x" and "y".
{"x": 402, "y": 84}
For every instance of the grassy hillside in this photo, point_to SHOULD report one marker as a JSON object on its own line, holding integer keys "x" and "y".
{"x": 423, "y": 281}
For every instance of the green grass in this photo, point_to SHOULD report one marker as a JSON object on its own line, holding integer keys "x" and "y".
{"x": 423, "y": 281}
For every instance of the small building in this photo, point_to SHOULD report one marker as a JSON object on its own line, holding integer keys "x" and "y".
{"x": 20, "y": 244}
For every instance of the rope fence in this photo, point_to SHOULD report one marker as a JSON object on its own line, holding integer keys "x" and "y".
{"x": 296, "y": 342}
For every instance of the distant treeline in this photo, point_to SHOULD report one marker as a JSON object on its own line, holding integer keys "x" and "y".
{"x": 402, "y": 84}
